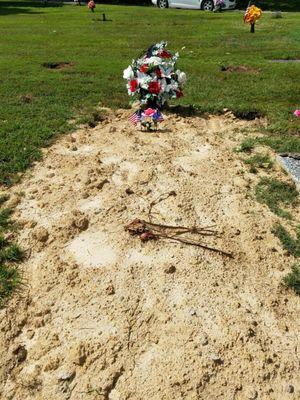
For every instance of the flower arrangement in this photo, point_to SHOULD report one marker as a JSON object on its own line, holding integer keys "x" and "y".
{"x": 153, "y": 79}
{"x": 219, "y": 4}
{"x": 252, "y": 14}
{"x": 91, "y": 5}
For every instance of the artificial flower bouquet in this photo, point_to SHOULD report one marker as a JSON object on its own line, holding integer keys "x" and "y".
{"x": 252, "y": 14}
{"x": 219, "y": 4}
{"x": 91, "y": 5}
{"x": 153, "y": 79}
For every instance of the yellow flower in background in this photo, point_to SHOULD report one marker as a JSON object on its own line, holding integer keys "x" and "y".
{"x": 253, "y": 13}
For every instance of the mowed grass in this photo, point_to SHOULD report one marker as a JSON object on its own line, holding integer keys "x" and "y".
{"x": 275, "y": 193}
{"x": 292, "y": 279}
{"x": 37, "y": 103}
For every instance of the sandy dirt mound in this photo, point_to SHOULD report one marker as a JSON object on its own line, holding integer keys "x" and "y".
{"x": 105, "y": 316}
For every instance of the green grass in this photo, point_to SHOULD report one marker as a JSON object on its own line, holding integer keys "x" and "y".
{"x": 292, "y": 280}
{"x": 37, "y": 103}
{"x": 246, "y": 146}
{"x": 3, "y": 242}
{"x": 9, "y": 281}
{"x": 280, "y": 143}
{"x": 274, "y": 193}
{"x": 10, "y": 255}
{"x": 259, "y": 161}
{"x": 10, "y": 278}
{"x": 3, "y": 198}
{"x": 292, "y": 245}
{"x": 5, "y": 221}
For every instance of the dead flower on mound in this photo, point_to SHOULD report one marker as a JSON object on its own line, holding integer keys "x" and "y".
{"x": 147, "y": 230}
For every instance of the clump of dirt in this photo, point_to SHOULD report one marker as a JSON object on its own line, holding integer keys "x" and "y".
{"x": 104, "y": 315}
{"x": 239, "y": 68}
{"x": 26, "y": 98}
{"x": 58, "y": 65}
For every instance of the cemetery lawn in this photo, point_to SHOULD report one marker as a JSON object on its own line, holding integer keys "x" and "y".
{"x": 37, "y": 102}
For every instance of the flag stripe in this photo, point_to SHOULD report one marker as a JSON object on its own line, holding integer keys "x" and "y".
{"x": 135, "y": 118}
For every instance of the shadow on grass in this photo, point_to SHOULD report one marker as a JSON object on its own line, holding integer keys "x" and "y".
{"x": 16, "y": 10}
{"x": 183, "y": 110}
{"x": 191, "y": 111}
{"x": 25, "y": 7}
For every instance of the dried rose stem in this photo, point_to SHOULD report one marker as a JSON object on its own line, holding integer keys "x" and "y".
{"x": 183, "y": 229}
{"x": 192, "y": 243}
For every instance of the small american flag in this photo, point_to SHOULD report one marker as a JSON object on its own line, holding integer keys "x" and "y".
{"x": 158, "y": 116}
{"x": 135, "y": 118}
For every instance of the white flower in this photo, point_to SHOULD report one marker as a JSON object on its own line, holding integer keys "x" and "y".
{"x": 181, "y": 77}
{"x": 173, "y": 86}
{"x": 143, "y": 79}
{"x": 153, "y": 60}
{"x": 128, "y": 73}
{"x": 167, "y": 72}
{"x": 163, "y": 85}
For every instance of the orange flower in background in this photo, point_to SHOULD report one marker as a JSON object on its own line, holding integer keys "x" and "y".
{"x": 253, "y": 13}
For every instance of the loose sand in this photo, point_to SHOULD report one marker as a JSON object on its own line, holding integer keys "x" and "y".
{"x": 104, "y": 316}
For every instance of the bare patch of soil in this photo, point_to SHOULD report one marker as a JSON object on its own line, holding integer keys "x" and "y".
{"x": 240, "y": 69}
{"x": 104, "y": 315}
{"x": 58, "y": 65}
{"x": 26, "y": 98}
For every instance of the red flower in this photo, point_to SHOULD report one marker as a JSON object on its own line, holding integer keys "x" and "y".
{"x": 154, "y": 87}
{"x": 149, "y": 112}
{"x": 158, "y": 72}
{"x": 164, "y": 54}
{"x": 144, "y": 68}
{"x": 147, "y": 236}
{"x": 133, "y": 85}
{"x": 179, "y": 94}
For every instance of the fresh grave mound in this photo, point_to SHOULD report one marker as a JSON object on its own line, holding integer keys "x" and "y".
{"x": 105, "y": 315}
